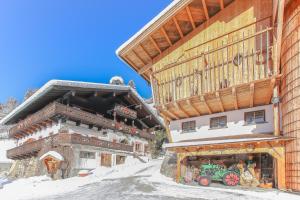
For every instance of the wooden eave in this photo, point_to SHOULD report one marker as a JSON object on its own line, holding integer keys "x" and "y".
{"x": 240, "y": 96}
{"x": 171, "y": 27}
{"x": 269, "y": 143}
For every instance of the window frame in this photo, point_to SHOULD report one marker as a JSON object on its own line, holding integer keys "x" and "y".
{"x": 219, "y": 127}
{"x": 189, "y": 130}
{"x": 254, "y": 122}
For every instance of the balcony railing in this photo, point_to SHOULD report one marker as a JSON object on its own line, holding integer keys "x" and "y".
{"x": 32, "y": 148}
{"x": 233, "y": 59}
{"x": 56, "y": 109}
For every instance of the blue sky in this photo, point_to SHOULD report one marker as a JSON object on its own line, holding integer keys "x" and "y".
{"x": 68, "y": 39}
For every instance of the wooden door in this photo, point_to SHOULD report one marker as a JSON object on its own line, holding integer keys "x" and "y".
{"x": 106, "y": 159}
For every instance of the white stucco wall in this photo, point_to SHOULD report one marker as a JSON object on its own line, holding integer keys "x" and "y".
{"x": 45, "y": 132}
{"x": 235, "y": 125}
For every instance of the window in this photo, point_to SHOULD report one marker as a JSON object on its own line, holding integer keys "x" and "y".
{"x": 189, "y": 126}
{"x": 255, "y": 117}
{"x": 87, "y": 155}
{"x": 138, "y": 147}
{"x": 218, "y": 122}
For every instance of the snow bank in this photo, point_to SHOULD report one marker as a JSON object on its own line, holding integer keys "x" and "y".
{"x": 42, "y": 186}
{"x": 149, "y": 174}
{"x": 174, "y": 189}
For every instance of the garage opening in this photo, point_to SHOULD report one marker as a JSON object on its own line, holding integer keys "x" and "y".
{"x": 242, "y": 169}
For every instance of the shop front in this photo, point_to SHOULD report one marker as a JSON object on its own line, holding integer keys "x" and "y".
{"x": 259, "y": 163}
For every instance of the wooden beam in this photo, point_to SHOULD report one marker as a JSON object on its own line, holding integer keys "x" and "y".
{"x": 279, "y": 35}
{"x": 145, "y": 68}
{"x": 221, "y": 4}
{"x": 131, "y": 62}
{"x": 235, "y": 100}
{"x": 165, "y": 117}
{"x": 220, "y": 101}
{"x": 190, "y": 17}
{"x": 269, "y": 95}
{"x": 275, "y": 10}
{"x": 181, "y": 109}
{"x": 189, "y": 102}
{"x": 146, "y": 52}
{"x": 202, "y": 99}
{"x": 166, "y": 36}
{"x": 171, "y": 114}
{"x": 205, "y": 9}
{"x": 178, "y": 27}
{"x": 252, "y": 88}
{"x": 137, "y": 55}
{"x": 155, "y": 44}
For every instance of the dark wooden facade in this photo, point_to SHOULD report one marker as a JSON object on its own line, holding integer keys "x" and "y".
{"x": 55, "y": 110}
{"x": 33, "y": 148}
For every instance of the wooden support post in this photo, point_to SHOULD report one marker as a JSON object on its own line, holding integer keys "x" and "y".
{"x": 269, "y": 95}
{"x": 278, "y": 39}
{"x": 235, "y": 100}
{"x": 276, "y": 112}
{"x": 281, "y": 177}
{"x": 252, "y": 88}
{"x": 220, "y": 101}
{"x": 168, "y": 131}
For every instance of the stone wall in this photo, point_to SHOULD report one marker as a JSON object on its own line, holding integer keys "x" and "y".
{"x": 32, "y": 166}
{"x": 168, "y": 167}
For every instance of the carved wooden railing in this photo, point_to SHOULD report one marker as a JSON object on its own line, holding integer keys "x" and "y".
{"x": 56, "y": 109}
{"x": 32, "y": 148}
{"x": 233, "y": 59}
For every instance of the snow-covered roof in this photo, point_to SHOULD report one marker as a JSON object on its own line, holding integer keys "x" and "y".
{"x": 53, "y": 154}
{"x": 54, "y": 88}
{"x": 221, "y": 141}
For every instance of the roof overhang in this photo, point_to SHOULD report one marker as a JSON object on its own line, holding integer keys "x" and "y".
{"x": 209, "y": 142}
{"x": 172, "y": 25}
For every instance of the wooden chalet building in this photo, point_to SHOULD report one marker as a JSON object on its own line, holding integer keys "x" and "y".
{"x": 225, "y": 78}
{"x": 67, "y": 126}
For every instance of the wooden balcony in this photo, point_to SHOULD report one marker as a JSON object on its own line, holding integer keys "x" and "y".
{"x": 45, "y": 116}
{"x": 229, "y": 72}
{"x": 32, "y": 148}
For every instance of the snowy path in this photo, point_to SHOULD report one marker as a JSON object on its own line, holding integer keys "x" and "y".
{"x": 138, "y": 181}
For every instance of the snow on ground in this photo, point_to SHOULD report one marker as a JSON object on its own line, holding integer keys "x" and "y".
{"x": 42, "y": 186}
{"x": 134, "y": 179}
